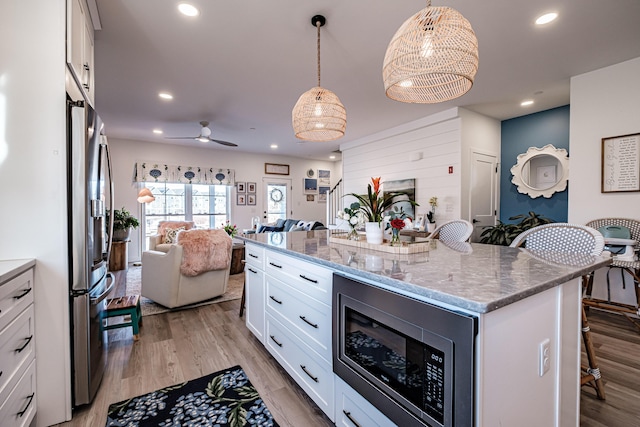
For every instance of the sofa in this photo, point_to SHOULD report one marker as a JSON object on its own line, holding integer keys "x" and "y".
{"x": 286, "y": 225}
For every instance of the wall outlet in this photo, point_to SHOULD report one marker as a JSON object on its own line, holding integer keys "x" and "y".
{"x": 544, "y": 357}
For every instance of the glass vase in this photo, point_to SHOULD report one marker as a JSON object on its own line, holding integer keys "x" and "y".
{"x": 353, "y": 234}
{"x": 395, "y": 237}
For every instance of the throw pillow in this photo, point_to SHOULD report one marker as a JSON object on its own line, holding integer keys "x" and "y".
{"x": 296, "y": 228}
{"x": 170, "y": 236}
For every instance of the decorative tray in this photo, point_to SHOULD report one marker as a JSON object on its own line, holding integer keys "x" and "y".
{"x": 404, "y": 248}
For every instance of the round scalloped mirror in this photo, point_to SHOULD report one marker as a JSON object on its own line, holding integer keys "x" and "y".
{"x": 541, "y": 171}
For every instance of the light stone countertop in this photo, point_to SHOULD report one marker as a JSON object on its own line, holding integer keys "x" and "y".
{"x": 475, "y": 277}
{"x": 13, "y": 267}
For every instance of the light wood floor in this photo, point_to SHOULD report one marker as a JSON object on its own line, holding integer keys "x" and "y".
{"x": 178, "y": 346}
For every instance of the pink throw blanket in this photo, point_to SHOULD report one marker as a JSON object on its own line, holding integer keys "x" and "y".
{"x": 204, "y": 250}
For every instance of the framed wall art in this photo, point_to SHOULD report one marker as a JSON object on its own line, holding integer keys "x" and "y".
{"x": 322, "y": 193}
{"x": 251, "y": 199}
{"x": 310, "y": 185}
{"x": 251, "y": 187}
{"x": 241, "y": 199}
{"x": 621, "y": 164}
{"x": 241, "y": 187}
{"x": 276, "y": 169}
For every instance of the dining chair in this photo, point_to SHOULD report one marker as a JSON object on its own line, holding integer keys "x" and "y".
{"x": 561, "y": 237}
{"x": 457, "y": 230}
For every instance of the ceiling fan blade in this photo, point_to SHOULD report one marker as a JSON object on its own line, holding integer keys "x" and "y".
{"x": 228, "y": 144}
{"x": 181, "y": 137}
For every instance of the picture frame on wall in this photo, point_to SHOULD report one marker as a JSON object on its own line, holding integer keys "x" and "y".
{"x": 241, "y": 187}
{"x": 241, "y": 199}
{"x": 276, "y": 169}
{"x": 324, "y": 176}
{"x": 311, "y": 197}
{"x": 323, "y": 191}
{"x": 310, "y": 185}
{"x": 251, "y": 199}
{"x": 621, "y": 164}
{"x": 251, "y": 187}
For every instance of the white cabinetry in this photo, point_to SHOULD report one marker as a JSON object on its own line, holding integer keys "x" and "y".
{"x": 298, "y": 324}
{"x": 354, "y": 410}
{"x": 254, "y": 289}
{"x": 80, "y": 46}
{"x": 17, "y": 351}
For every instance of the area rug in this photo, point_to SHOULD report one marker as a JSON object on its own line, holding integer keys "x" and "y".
{"x": 224, "y": 398}
{"x": 134, "y": 280}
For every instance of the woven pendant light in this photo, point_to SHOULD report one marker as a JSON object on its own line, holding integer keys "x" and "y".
{"x": 433, "y": 57}
{"x": 319, "y": 115}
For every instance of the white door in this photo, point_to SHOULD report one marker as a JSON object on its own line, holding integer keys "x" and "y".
{"x": 483, "y": 192}
{"x": 277, "y": 203}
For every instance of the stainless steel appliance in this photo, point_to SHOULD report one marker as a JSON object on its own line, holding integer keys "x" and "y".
{"x": 412, "y": 360}
{"x": 90, "y": 194}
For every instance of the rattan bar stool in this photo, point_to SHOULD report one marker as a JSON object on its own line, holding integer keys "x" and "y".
{"x": 574, "y": 239}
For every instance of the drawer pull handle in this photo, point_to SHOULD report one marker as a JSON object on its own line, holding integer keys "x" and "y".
{"x": 24, "y": 411}
{"x": 253, "y": 256}
{"x": 315, "y": 325}
{"x": 252, "y": 270}
{"x": 23, "y": 294}
{"x": 271, "y": 296}
{"x": 19, "y": 350}
{"x": 275, "y": 341}
{"x": 304, "y": 368}
{"x": 310, "y": 280}
{"x": 348, "y": 414}
{"x": 275, "y": 265}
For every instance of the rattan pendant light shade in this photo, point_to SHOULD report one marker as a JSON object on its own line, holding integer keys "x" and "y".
{"x": 433, "y": 57}
{"x": 319, "y": 115}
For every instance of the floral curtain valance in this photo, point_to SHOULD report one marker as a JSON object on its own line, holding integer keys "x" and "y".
{"x": 157, "y": 172}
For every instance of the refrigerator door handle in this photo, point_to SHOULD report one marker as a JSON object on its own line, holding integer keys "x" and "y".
{"x": 102, "y": 296}
{"x": 105, "y": 147}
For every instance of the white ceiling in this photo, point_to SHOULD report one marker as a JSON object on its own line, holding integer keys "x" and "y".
{"x": 242, "y": 64}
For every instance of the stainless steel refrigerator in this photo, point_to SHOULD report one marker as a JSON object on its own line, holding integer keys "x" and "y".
{"x": 90, "y": 195}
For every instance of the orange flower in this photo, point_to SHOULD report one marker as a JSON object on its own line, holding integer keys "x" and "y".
{"x": 376, "y": 184}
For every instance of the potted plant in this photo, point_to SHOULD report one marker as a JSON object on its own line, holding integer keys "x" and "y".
{"x": 504, "y": 233}
{"x": 431, "y": 215}
{"x": 123, "y": 221}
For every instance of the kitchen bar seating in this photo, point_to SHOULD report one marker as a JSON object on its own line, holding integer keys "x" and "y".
{"x": 574, "y": 239}
{"x": 457, "y": 230}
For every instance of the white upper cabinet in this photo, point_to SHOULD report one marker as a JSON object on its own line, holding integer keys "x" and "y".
{"x": 80, "y": 46}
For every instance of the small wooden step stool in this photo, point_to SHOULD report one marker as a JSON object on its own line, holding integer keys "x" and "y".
{"x": 123, "y": 306}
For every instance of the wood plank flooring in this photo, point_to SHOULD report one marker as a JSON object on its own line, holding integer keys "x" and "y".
{"x": 182, "y": 345}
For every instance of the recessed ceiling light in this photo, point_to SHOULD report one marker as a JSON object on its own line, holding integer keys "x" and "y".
{"x": 526, "y": 103}
{"x": 188, "y": 9}
{"x": 157, "y": 131}
{"x": 546, "y": 18}
{"x": 274, "y": 145}
{"x": 165, "y": 95}
{"x": 332, "y": 157}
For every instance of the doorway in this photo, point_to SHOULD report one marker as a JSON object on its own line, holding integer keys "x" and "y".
{"x": 277, "y": 203}
{"x": 483, "y": 192}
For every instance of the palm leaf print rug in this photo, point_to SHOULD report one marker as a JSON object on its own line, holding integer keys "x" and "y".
{"x": 224, "y": 398}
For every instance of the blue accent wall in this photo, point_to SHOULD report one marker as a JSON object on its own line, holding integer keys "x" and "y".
{"x": 533, "y": 130}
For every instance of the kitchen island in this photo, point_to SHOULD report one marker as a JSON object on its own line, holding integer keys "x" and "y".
{"x": 526, "y": 306}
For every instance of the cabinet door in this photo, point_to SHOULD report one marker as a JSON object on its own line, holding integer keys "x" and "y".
{"x": 76, "y": 19}
{"x": 87, "y": 58}
{"x": 254, "y": 300}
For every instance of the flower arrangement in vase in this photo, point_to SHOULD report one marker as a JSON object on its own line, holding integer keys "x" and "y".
{"x": 373, "y": 205}
{"x": 231, "y": 230}
{"x": 396, "y": 222}
{"x": 354, "y": 217}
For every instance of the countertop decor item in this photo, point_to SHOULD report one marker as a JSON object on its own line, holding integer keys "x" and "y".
{"x": 433, "y": 57}
{"x": 319, "y": 115}
{"x": 354, "y": 217}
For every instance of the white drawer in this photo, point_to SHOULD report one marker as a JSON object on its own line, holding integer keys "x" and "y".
{"x": 315, "y": 377}
{"x": 309, "y": 278}
{"x": 308, "y": 318}
{"x": 20, "y": 408}
{"x": 354, "y": 410}
{"x": 254, "y": 255}
{"x": 17, "y": 349}
{"x": 15, "y": 295}
{"x": 254, "y": 301}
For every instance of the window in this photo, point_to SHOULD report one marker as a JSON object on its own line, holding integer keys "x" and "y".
{"x": 206, "y": 205}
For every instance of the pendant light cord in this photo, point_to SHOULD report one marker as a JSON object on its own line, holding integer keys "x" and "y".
{"x": 318, "y": 27}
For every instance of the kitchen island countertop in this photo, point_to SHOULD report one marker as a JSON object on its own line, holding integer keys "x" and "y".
{"x": 472, "y": 276}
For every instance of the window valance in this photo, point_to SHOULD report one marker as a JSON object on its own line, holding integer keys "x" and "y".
{"x": 157, "y": 172}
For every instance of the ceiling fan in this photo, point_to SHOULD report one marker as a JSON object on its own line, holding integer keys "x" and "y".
{"x": 205, "y": 136}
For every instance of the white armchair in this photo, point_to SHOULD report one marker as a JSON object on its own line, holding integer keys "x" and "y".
{"x": 163, "y": 282}
{"x": 158, "y": 242}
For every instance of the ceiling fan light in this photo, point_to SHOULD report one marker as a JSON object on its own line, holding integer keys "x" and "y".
{"x": 206, "y": 132}
{"x": 202, "y": 139}
{"x": 437, "y": 51}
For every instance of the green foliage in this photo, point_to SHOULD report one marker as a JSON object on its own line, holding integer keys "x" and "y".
{"x": 122, "y": 219}
{"x": 503, "y": 233}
